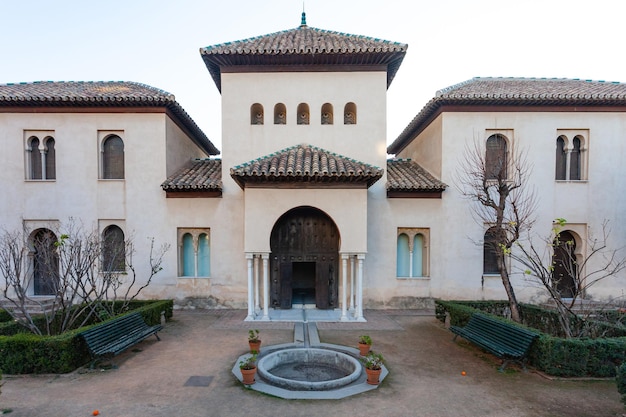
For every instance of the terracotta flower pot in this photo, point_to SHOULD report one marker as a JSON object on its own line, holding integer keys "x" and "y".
{"x": 255, "y": 347}
{"x": 373, "y": 376}
{"x": 364, "y": 349}
{"x": 248, "y": 376}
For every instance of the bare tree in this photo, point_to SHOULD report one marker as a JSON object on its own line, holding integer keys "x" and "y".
{"x": 78, "y": 270}
{"x": 556, "y": 266}
{"x": 496, "y": 182}
{"x": 123, "y": 284}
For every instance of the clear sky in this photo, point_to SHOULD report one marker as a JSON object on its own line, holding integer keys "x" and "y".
{"x": 156, "y": 42}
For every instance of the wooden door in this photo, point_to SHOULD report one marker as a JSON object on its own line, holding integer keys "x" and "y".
{"x": 304, "y": 235}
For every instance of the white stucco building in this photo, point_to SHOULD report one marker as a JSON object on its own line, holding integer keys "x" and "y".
{"x": 306, "y": 204}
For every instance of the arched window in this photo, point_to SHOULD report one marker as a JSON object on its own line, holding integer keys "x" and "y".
{"x": 35, "y": 159}
{"x": 403, "y": 256}
{"x": 565, "y": 267}
{"x": 204, "y": 256}
{"x": 194, "y": 253}
{"x": 490, "y": 255}
{"x": 327, "y": 114}
{"x": 113, "y": 249}
{"x": 574, "y": 160}
{"x": 45, "y": 263}
{"x": 113, "y": 158}
{"x": 50, "y": 159}
{"x": 412, "y": 252}
{"x": 418, "y": 256}
{"x": 303, "y": 114}
{"x": 349, "y": 114}
{"x": 280, "y": 114}
{"x": 256, "y": 114}
{"x": 495, "y": 158}
{"x": 189, "y": 256}
{"x": 561, "y": 162}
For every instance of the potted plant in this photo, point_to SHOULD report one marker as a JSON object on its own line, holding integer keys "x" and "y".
{"x": 373, "y": 367}
{"x": 254, "y": 341}
{"x": 365, "y": 343}
{"x": 247, "y": 367}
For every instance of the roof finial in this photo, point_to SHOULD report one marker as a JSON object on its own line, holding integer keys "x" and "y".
{"x": 303, "y": 21}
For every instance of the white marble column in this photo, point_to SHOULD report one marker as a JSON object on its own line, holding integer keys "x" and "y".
{"x": 249, "y": 259}
{"x": 266, "y": 286}
{"x": 257, "y": 283}
{"x": 359, "y": 288}
{"x": 344, "y": 286}
{"x": 352, "y": 276}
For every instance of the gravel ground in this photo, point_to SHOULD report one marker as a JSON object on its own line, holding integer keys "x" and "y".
{"x": 425, "y": 376}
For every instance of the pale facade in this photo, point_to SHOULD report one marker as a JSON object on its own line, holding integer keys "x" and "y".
{"x": 304, "y": 206}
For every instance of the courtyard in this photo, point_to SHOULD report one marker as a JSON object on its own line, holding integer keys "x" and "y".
{"x": 188, "y": 373}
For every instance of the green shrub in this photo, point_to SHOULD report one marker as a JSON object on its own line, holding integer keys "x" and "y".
{"x": 554, "y": 355}
{"x": 621, "y": 381}
{"x": 23, "y": 353}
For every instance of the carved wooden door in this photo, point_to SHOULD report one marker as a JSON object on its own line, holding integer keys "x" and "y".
{"x": 305, "y": 244}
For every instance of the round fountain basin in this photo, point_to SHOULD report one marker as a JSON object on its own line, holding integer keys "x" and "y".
{"x": 309, "y": 369}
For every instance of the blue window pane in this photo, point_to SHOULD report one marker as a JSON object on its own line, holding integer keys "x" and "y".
{"x": 403, "y": 256}
{"x": 189, "y": 268}
{"x": 204, "y": 256}
{"x": 418, "y": 248}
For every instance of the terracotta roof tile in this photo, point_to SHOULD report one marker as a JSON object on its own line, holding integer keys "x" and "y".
{"x": 305, "y": 164}
{"x": 406, "y": 175}
{"x": 198, "y": 175}
{"x": 100, "y": 94}
{"x": 305, "y": 45}
{"x": 515, "y": 92}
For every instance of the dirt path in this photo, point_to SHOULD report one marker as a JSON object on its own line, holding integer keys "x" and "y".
{"x": 425, "y": 378}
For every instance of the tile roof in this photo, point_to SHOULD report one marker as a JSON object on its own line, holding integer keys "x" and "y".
{"x": 515, "y": 92}
{"x": 305, "y": 45}
{"x": 198, "y": 175}
{"x": 305, "y": 164}
{"x": 406, "y": 175}
{"x": 100, "y": 94}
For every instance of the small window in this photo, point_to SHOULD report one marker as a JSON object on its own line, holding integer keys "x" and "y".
{"x": 303, "y": 114}
{"x": 495, "y": 158}
{"x": 256, "y": 114}
{"x": 194, "y": 253}
{"x": 40, "y": 158}
{"x": 561, "y": 161}
{"x": 490, "y": 255}
{"x": 327, "y": 114}
{"x": 403, "y": 256}
{"x": 113, "y": 249}
{"x": 571, "y": 155}
{"x": 349, "y": 114}
{"x": 412, "y": 253}
{"x": 280, "y": 114}
{"x": 50, "y": 158}
{"x": 35, "y": 160}
{"x": 574, "y": 160}
{"x": 113, "y": 158}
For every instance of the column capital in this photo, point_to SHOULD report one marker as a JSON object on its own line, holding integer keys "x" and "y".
{"x": 249, "y": 255}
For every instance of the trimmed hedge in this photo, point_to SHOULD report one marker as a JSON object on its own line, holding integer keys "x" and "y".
{"x": 553, "y": 355}
{"x": 25, "y": 353}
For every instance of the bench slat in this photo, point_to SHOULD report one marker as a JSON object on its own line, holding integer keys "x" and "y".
{"x": 117, "y": 335}
{"x": 504, "y": 340}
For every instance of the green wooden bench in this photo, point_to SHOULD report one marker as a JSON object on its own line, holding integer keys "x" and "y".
{"x": 508, "y": 342}
{"x": 113, "y": 337}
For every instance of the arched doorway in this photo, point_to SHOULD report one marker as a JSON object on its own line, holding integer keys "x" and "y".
{"x": 565, "y": 266}
{"x": 304, "y": 260}
{"x": 45, "y": 263}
